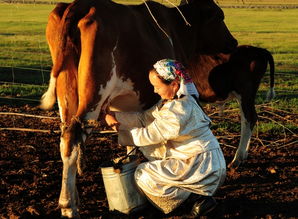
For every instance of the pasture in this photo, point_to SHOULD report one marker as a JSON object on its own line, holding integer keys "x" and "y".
{"x": 30, "y": 164}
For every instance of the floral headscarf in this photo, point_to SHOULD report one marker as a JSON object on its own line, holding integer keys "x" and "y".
{"x": 170, "y": 69}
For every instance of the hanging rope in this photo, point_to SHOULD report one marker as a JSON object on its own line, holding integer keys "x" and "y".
{"x": 180, "y": 12}
{"x": 158, "y": 23}
{"x": 186, "y": 22}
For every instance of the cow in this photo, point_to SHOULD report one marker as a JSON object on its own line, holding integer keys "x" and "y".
{"x": 221, "y": 77}
{"x": 102, "y": 52}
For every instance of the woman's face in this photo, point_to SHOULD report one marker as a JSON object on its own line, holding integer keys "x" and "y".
{"x": 165, "y": 91}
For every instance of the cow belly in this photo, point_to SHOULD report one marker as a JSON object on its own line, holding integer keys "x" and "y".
{"x": 126, "y": 102}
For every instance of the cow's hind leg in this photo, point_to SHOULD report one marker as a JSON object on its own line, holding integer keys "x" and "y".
{"x": 69, "y": 198}
{"x": 248, "y": 121}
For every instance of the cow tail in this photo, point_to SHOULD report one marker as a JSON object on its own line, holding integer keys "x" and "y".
{"x": 48, "y": 99}
{"x": 67, "y": 42}
{"x": 81, "y": 159}
{"x": 271, "y": 92}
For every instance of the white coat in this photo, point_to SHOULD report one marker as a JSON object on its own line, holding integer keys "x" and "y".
{"x": 184, "y": 156}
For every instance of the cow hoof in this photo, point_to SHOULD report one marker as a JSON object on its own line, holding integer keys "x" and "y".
{"x": 69, "y": 213}
{"x": 234, "y": 164}
{"x": 239, "y": 159}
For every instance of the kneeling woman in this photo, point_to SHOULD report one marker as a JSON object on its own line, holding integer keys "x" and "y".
{"x": 185, "y": 160}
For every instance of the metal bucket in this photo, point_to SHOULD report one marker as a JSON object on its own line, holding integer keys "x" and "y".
{"x": 122, "y": 192}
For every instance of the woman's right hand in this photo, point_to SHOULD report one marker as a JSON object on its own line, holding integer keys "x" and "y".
{"x": 112, "y": 121}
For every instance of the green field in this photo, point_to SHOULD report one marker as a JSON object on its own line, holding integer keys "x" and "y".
{"x": 274, "y": 29}
{"x": 221, "y": 2}
{"x": 25, "y": 58}
{"x": 24, "y": 54}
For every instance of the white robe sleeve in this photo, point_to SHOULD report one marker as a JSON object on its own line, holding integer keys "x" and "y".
{"x": 130, "y": 120}
{"x": 165, "y": 126}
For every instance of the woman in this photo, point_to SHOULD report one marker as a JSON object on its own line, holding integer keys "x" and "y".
{"x": 185, "y": 160}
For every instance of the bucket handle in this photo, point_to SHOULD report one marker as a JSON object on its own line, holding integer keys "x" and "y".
{"x": 117, "y": 166}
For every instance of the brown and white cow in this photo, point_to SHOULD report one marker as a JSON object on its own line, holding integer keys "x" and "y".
{"x": 237, "y": 75}
{"x": 102, "y": 52}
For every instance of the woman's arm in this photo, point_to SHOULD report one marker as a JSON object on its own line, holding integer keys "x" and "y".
{"x": 129, "y": 120}
{"x": 112, "y": 121}
{"x": 165, "y": 126}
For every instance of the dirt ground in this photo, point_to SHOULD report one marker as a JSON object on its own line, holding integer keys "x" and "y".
{"x": 266, "y": 186}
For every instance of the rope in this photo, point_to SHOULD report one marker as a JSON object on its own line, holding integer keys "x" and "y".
{"x": 158, "y": 23}
{"x": 186, "y": 22}
{"x": 180, "y": 12}
{"x": 27, "y": 115}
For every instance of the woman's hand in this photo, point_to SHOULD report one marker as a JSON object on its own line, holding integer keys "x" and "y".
{"x": 112, "y": 121}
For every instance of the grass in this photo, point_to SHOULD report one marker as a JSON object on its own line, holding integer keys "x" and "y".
{"x": 25, "y": 58}
{"x": 23, "y": 44}
{"x": 257, "y": 2}
{"x": 24, "y": 52}
{"x": 221, "y": 2}
{"x": 271, "y": 29}
{"x": 274, "y": 30}
{"x": 22, "y": 90}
